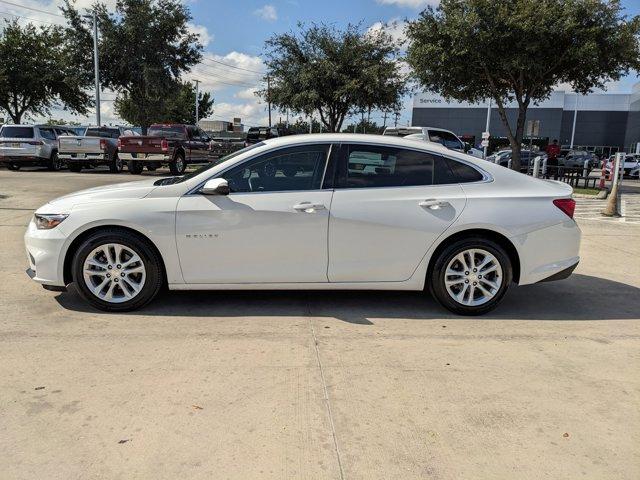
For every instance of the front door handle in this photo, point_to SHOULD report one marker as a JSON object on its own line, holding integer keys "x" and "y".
{"x": 308, "y": 207}
{"x": 433, "y": 204}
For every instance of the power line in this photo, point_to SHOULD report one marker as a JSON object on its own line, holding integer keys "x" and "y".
{"x": 220, "y": 81}
{"x": 208, "y": 68}
{"x": 236, "y": 84}
{"x": 233, "y": 66}
{"x": 31, "y": 8}
{"x": 30, "y": 18}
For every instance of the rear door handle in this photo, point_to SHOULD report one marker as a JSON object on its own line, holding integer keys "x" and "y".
{"x": 308, "y": 207}
{"x": 433, "y": 204}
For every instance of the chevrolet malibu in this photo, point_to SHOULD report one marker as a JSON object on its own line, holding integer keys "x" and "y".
{"x": 324, "y": 212}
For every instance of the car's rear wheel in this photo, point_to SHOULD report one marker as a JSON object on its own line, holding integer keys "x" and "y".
{"x": 115, "y": 165}
{"x": 178, "y": 166}
{"x": 117, "y": 270}
{"x": 471, "y": 276}
{"x": 13, "y": 166}
{"x": 134, "y": 167}
{"x": 54, "y": 164}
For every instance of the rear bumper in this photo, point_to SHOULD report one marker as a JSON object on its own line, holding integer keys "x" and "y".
{"x": 87, "y": 158}
{"x": 145, "y": 157}
{"x": 548, "y": 252}
{"x": 561, "y": 275}
{"x": 22, "y": 160}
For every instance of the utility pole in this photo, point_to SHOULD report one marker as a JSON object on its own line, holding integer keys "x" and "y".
{"x": 197, "y": 82}
{"x": 96, "y": 64}
{"x": 397, "y": 117}
{"x": 269, "y": 97}
{"x": 384, "y": 119}
{"x": 486, "y": 128}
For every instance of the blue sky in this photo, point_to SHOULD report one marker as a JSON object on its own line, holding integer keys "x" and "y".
{"x": 234, "y": 32}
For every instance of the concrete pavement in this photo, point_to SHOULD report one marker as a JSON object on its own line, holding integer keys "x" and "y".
{"x": 334, "y": 385}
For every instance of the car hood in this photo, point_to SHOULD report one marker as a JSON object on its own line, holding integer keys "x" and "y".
{"x": 118, "y": 191}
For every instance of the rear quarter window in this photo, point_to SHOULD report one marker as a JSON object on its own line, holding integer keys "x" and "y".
{"x": 463, "y": 173}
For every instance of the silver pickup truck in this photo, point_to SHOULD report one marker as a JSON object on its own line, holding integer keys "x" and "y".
{"x": 98, "y": 146}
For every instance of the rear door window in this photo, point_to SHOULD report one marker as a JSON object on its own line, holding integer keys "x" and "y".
{"x": 445, "y": 138}
{"x": 47, "y": 133}
{"x": 9, "y": 131}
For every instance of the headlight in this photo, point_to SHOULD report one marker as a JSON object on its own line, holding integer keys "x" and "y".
{"x": 48, "y": 221}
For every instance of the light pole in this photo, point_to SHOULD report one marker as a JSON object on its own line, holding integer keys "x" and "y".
{"x": 197, "y": 82}
{"x": 486, "y": 128}
{"x": 575, "y": 116}
{"x": 96, "y": 65}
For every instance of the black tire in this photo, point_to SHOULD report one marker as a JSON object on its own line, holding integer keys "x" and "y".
{"x": 74, "y": 167}
{"x": 13, "y": 166}
{"x": 151, "y": 260}
{"x": 135, "y": 168}
{"x": 115, "y": 165}
{"x": 178, "y": 166}
{"x": 55, "y": 164}
{"x": 152, "y": 167}
{"x": 437, "y": 277}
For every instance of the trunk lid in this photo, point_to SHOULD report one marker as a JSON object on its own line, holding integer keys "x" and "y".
{"x": 141, "y": 144}
{"x": 77, "y": 144}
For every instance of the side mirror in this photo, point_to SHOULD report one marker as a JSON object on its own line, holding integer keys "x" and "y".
{"x": 216, "y": 186}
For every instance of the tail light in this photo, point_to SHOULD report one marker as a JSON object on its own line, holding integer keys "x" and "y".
{"x": 103, "y": 144}
{"x": 119, "y": 144}
{"x": 567, "y": 205}
{"x": 164, "y": 145}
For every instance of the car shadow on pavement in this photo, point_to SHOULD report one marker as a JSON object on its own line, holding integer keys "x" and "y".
{"x": 581, "y": 297}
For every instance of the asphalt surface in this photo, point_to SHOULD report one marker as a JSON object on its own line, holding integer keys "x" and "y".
{"x": 335, "y": 385}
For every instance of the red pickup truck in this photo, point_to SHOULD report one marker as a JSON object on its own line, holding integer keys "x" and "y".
{"x": 176, "y": 145}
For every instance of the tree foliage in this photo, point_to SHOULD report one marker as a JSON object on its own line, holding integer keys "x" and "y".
{"x": 519, "y": 50}
{"x": 364, "y": 126}
{"x": 145, "y": 46}
{"x": 333, "y": 72}
{"x": 38, "y": 71}
{"x": 177, "y": 106}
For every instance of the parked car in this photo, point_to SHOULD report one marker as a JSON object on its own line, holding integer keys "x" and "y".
{"x": 257, "y": 134}
{"x": 429, "y": 134}
{"x": 97, "y": 146}
{"x": 29, "y": 145}
{"x": 176, "y": 145}
{"x": 415, "y": 216}
{"x": 575, "y": 159}
{"x": 527, "y": 157}
{"x": 631, "y": 165}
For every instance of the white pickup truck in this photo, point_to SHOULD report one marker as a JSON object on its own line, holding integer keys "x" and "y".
{"x": 98, "y": 146}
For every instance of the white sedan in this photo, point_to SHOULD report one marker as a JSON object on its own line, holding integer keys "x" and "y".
{"x": 330, "y": 211}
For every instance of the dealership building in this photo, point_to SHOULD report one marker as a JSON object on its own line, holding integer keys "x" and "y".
{"x": 604, "y": 122}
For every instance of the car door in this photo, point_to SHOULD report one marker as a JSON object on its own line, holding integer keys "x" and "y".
{"x": 271, "y": 228}
{"x": 389, "y": 206}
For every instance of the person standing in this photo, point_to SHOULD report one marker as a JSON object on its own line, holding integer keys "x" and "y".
{"x": 553, "y": 151}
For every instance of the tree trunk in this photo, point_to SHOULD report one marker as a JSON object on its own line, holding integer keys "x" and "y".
{"x": 515, "y": 139}
{"x": 16, "y": 117}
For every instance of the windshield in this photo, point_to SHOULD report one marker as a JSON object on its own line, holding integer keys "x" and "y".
{"x": 16, "y": 132}
{"x": 215, "y": 163}
{"x": 166, "y": 131}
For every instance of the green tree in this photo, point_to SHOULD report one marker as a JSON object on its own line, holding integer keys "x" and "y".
{"x": 519, "y": 50}
{"x": 333, "y": 72}
{"x": 177, "y": 106}
{"x": 364, "y": 126}
{"x": 145, "y": 47}
{"x": 38, "y": 72}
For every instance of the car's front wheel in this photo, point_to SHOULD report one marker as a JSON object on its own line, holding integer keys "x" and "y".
{"x": 471, "y": 276}
{"x": 117, "y": 270}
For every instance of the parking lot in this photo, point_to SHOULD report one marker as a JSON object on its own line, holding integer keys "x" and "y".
{"x": 353, "y": 385}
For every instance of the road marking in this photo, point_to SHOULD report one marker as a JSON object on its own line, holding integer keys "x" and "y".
{"x": 591, "y": 209}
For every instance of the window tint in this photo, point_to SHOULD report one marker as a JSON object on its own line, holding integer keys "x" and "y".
{"x": 103, "y": 132}
{"x": 447, "y": 139}
{"x": 47, "y": 133}
{"x": 464, "y": 173}
{"x": 166, "y": 131}
{"x": 16, "y": 132}
{"x": 298, "y": 168}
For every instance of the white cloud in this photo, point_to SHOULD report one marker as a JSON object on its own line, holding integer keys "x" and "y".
{"x": 205, "y": 37}
{"x": 267, "y": 12}
{"x": 251, "y": 113}
{"x": 234, "y": 69}
{"x": 246, "y": 94}
{"x": 394, "y": 27}
{"x": 410, "y": 3}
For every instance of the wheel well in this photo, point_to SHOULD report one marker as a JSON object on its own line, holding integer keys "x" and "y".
{"x": 500, "y": 239}
{"x": 68, "y": 258}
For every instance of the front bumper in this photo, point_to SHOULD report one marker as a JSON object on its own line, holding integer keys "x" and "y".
{"x": 145, "y": 157}
{"x": 44, "y": 250}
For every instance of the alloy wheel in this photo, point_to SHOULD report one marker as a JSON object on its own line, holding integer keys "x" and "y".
{"x": 114, "y": 273}
{"x": 473, "y": 277}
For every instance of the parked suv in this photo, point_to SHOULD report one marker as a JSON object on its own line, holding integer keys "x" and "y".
{"x": 258, "y": 134}
{"x": 97, "y": 146}
{"x": 28, "y": 145}
{"x": 443, "y": 137}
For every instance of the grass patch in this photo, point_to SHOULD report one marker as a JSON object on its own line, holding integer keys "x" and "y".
{"x": 586, "y": 191}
